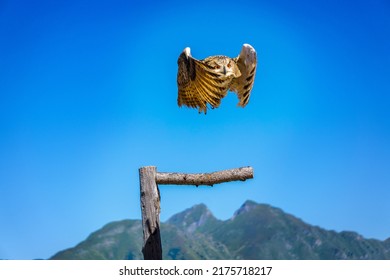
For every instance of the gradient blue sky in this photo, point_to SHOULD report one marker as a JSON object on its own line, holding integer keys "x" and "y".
{"x": 88, "y": 95}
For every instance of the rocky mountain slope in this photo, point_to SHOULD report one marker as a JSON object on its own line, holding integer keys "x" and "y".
{"x": 256, "y": 231}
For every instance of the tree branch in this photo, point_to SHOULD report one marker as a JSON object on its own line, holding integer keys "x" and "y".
{"x": 209, "y": 179}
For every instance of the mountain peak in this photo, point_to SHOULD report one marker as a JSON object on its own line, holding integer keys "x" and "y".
{"x": 245, "y": 208}
{"x": 192, "y": 218}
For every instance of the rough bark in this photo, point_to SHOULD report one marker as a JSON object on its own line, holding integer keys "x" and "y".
{"x": 209, "y": 179}
{"x": 150, "y": 208}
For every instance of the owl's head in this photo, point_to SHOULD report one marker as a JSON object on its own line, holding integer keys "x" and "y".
{"x": 223, "y": 65}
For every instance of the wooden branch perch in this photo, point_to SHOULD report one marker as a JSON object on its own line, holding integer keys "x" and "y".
{"x": 209, "y": 179}
{"x": 150, "y": 198}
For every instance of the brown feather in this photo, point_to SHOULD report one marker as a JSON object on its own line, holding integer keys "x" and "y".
{"x": 246, "y": 62}
{"x": 202, "y": 82}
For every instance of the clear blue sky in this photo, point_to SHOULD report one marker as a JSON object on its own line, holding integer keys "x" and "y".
{"x": 88, "y": 95}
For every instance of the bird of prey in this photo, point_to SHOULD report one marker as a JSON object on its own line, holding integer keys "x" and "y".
{"x": 207, "y": 81}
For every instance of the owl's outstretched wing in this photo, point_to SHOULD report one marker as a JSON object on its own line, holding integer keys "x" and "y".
{"x": 242, "y": 85}
{"x": 198, "y": 84}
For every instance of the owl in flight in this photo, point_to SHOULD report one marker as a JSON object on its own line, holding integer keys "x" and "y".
{"x": 207, "y": 81}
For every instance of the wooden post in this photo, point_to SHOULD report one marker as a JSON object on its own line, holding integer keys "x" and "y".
{"x": 150, "y": 208}
{"x": 150, "y": 198}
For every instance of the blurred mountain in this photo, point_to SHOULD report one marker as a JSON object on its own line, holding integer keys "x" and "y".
{"x": 256, "y": 231}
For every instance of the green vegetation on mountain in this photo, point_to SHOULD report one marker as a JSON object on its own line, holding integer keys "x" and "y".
{"x": 256, "y": 231}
